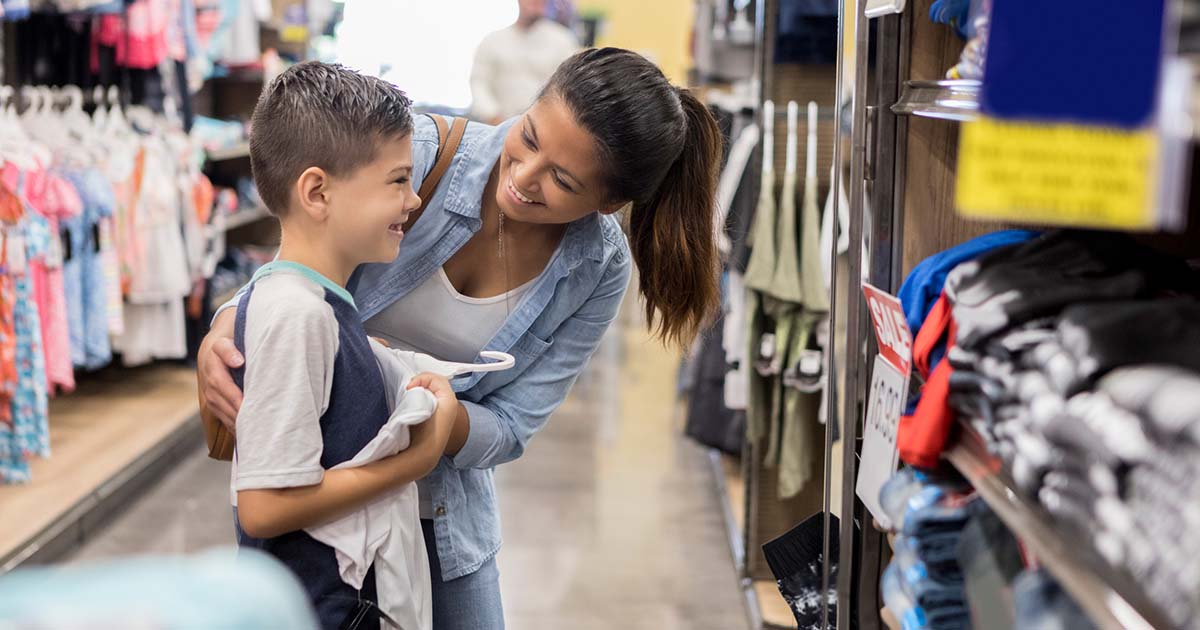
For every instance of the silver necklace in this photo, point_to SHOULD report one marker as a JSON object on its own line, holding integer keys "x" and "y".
{"x": 504, "y": 261}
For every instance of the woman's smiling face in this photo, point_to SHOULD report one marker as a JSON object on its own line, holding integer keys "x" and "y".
{"x": 549, "y": 170}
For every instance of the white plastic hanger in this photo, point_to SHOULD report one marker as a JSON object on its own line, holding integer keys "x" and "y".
{"x": 768, "y": 117}
{"x": 449, "y": 369}
{"x": 117, "y": 124}
{"x": 810, "y": 170}
{"x": 100, "y": 116}
{"x": 793, "y": 121}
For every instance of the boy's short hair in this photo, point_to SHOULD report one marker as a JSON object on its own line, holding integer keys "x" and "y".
{"x": 323, "y": 115}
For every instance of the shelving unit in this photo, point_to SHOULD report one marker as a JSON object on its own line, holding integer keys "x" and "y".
{"x": 236, "y": 152}
{"x": 1111, "y": 598}
{"x": 765, "y": 606}
{"x": 245, "y": 217}
{"x": 111, "y": 437}
{"x": 947, "y": 100}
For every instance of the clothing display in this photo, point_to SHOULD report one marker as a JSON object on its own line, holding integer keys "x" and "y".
{"x": 1073, "y": 355}
{"x": 94, "y": 234}
{"x": 924, "y": 584}
{"x": 786, "y": 302}
{"x": 807, "y": 32}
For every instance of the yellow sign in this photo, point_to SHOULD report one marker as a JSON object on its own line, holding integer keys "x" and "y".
{"x": 296, "y": 34}
{"x": 1073, "y": 175}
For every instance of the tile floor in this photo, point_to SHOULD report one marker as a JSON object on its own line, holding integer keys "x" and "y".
{"x": 610, "y": 519}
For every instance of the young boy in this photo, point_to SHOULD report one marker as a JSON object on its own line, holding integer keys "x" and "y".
{"x": 331, "y": 152}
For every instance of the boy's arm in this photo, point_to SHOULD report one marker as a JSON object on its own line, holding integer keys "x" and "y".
{"x": 273, "y": 512}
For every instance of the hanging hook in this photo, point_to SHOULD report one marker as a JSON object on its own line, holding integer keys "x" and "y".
{"x": 47, "y": 104}
{"x": 29, "y": 94}
{"x": 74, "y": 96}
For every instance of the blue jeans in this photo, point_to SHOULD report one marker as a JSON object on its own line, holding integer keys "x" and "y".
{"x": 471, "y": 602}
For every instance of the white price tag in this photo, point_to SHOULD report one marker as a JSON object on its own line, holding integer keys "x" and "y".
{"x": 876, "y": 8}
{"x": 885, "y": 403}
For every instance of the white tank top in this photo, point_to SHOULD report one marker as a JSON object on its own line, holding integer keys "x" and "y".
{"x": 437, "y": 320}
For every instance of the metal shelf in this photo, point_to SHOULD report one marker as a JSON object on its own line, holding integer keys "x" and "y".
{"x": 1111, "y": 598}
{"x": 235, "y": 152}
{"x": 245, "y": 217}
{"x": 946, "y": 100}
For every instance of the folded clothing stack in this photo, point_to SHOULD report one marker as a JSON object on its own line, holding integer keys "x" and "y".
{"x": 1077, "y": 357}
{"x": 923, "y": 586}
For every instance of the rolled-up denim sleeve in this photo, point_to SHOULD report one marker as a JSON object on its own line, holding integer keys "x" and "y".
{"x": 504, "y": 421}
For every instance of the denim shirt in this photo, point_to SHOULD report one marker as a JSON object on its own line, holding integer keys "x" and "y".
{"x": 552, "y": 332}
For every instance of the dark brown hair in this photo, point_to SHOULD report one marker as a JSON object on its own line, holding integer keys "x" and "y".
{"x": 323, "y": 115}
{"x": 660, "y": 148}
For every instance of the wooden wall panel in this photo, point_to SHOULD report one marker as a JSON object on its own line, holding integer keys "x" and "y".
{"x": 804, "y": 83}
{"x": 930, "y": 222}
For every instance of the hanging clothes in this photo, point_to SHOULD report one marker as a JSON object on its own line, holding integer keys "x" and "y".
{"x": 46, "y": 274}
{"x": 30, "y": 407}
{"x": 788, "y": 299}
{"x": 155, "y": 324}
{"x": 83, "y": 273}
{"x": 759, "y": 271}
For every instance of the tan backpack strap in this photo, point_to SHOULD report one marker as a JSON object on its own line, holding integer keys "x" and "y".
{"x": 448, "y": 142}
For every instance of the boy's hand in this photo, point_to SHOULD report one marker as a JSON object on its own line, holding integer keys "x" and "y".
{"x": 435, "y": 432}
{"x": 437, "y": 385}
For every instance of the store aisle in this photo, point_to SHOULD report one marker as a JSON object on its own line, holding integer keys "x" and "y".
{"x": 610, "y": 519}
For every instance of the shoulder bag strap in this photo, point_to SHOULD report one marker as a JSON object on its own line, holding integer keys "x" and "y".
{"x": 448, "y": 141}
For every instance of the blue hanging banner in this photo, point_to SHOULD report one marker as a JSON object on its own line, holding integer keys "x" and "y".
{"x": 1071, "y": 108}
{"x": 1090, "y": 62}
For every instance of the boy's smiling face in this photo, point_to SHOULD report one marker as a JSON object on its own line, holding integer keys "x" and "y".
{"x": 369, "y": 206}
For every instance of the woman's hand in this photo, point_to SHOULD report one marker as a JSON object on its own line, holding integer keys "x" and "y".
{"x": 434, "y": 433}
{"x": 220, "y": 397}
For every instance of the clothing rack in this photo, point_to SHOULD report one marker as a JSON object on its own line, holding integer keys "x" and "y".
{"x": 904, "y": 143}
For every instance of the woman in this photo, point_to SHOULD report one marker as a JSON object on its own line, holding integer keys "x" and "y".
{"x": 519, "y": 239}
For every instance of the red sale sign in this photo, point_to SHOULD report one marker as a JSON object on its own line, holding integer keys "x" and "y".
{"x": 891, "y": 328}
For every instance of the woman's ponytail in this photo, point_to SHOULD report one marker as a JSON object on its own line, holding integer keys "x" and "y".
{"x": 672, "y": 235}
{"x": 660, "y": 149}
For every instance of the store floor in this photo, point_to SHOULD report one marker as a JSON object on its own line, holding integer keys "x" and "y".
{"x": 610, "y": 518}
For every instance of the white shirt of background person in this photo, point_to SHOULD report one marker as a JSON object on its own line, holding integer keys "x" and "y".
{"x": 512, "y": 64}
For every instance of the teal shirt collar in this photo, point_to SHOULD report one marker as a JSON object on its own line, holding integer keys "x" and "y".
{"x": 307, "y": 272}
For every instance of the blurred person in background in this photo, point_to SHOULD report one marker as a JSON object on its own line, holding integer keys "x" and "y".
{"x": 512, "y": 64}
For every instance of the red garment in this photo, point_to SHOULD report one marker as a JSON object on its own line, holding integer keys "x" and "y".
{"x": 11, "y": 211}
{"x": 139, "y": 35}
{"x": 922, "y": 437}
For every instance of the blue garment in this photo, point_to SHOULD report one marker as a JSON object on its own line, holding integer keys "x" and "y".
{"x": 110, "y": 8}
{"x": 15, "y": 10}
{"x": 807, "y": 32}
{"x": 30, "y": 405}
{"x": 1039, "y": 602}
{"x": 209, "y": 590}
{"x": 83, "y": 271}
{"x": 924, "y": 284}
{"x": 357, "y": 410}
{"x": 471, "y": 602}
{"x": 552, "y": 332}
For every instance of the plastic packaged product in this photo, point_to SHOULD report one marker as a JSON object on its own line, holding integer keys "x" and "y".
{"x": 796, "y": 559}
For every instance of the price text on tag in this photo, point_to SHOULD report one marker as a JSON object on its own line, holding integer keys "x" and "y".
{"x": 886, "y": 398}
{"x": 891, "y": 328}
{"x": 885, "y": 403}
